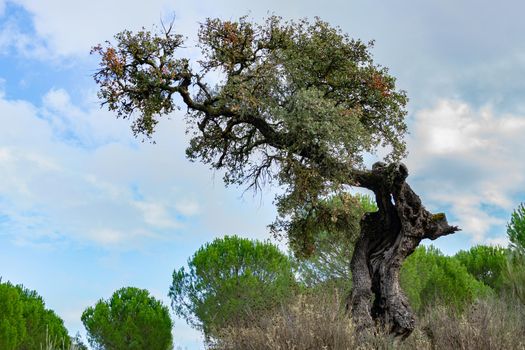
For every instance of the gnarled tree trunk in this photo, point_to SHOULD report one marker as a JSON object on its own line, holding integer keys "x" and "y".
{"x": 387, "y": 238}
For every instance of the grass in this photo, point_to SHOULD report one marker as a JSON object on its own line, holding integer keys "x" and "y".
{"x": 316, "y": 321}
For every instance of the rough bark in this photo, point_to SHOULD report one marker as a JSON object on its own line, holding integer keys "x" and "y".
{"x": 387, "y": 238}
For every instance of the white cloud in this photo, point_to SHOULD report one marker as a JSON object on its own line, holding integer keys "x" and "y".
{"x": 156, "y": 214}
{"x": 187, "y": 207}
{"x": 473, "y": 220}
{"x": 90, "y": 127}
{"x": 73, "y": 174}
{"x": 471, "y": 161}
{"x": 49, "y": 186}
{"x": 110, "y": 237}
{"x": 14, "y": 39}
{"x": 107, "y": 236}
{"x": 73, "y": 27}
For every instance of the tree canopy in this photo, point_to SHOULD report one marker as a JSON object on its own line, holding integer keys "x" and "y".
{"x": 229, "y": 282}
{"x": 486, "y": 264}
{"x": 130, "y": 320}
{"x": 297, "y": 103}
{"x": 25, "y": 323}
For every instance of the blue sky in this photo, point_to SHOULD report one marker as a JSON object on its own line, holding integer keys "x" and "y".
{"x": 86, "y": 209}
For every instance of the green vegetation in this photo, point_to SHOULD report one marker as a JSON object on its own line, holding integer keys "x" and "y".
{"x": 130, "y": 320}
{"x": 429, "y": 278}
{"x": 317, "y": 321}
{"x": 332, "y": 241}
{"x": 515, "y": 277}
{"x": 486, "y": 264}
{"x": 231, "y": 281}
{"x": 25, "y": 323}
{"x": 299, "y": 105}
{"x": 247, "y": 294}
{"x": 515, "y": 272}
{"x": 463, "y": 302}
{"x": 516, "y": 229}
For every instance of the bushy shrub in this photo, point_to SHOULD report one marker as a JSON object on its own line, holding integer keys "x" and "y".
{"x": 311, "y": 321}
{"x": 428, "y": 277}
{"x": 489, "y": 323}
{"x": 486, "y": 263}
{"x": 318, "y": 321}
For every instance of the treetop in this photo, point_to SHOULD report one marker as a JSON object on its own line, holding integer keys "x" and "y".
{"x": 296, "y": 103}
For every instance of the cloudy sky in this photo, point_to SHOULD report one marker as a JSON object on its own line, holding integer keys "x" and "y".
{"x": 86, "y": 209}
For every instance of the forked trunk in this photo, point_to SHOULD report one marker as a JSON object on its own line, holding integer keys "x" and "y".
{"x": 387, "y": 238}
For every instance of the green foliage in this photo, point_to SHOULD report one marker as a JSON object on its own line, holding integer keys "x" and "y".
{"x": 130, "y": 320}
{"x": 25, "y": 323}
{"x": 331, "y": 240}
{"x": 515, "y": 268}
{"x": 229, "y": 281}
{"x": 486, "y": 263}
{"x": 428, "y": 277}
{"x": 516, "y": 229}
{"x": 12, "y": 324}
{"x": 515, "y": 276}
{"x": 299, "y": 103}
{"x": 336, "y": 218}
{"x": 141, "y": 47}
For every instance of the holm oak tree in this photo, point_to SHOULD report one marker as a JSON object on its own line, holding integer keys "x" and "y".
{"x": 296, "y": 104}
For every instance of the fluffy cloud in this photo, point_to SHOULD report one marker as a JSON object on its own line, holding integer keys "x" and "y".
{"x": 187, "y": 206}
{"x": 70, "y": 28}
{"x": 70, "y": 173}
{"x": 471, "y": 162}
{"x": 465, "y": 59}
{"x": 156, "y": 214}
{"x": 14, "y": 39}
